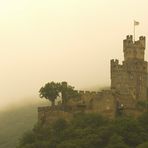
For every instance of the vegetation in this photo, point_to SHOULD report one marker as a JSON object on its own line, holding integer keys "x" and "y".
{"x": 89, "y": 131}
{"x": 67, "y": 92}
{"x": 52, "y": 90}
{"x": 143, "y": 105}
{"x": 14, "y": 122}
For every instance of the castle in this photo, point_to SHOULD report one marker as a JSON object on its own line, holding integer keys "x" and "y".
{"x": 128, "y": 89}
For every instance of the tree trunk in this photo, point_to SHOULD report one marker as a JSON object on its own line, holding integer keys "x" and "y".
{"x": 53, "y": 103}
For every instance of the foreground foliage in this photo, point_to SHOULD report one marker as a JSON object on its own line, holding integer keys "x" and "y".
{"x": 14, "y": 122}
{"x": 89, "y": 131}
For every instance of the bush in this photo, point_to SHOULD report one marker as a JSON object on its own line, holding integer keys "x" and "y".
{"x": 88, "y": 131}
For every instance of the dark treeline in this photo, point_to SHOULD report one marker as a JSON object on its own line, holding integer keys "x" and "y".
{"x": 89, "y": 131}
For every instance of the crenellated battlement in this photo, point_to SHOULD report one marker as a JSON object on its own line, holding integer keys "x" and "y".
{"x": 115, "y": 66}
{"x": 89, "y": 101}
{"x": 44, "y": 108}
{"x": 87, "y": 92}
{"x": 129, "y": 43}
{"x": 131, "y": 76}
{"x": 142, "y": 40}
{"x": 115, "y": 62}
{"x": 134, "y": 49}
{"x": 140, "y": 44}
{"x": 129, "y": 82}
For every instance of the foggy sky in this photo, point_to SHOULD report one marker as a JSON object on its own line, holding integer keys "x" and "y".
{"x": 62, "y": 40}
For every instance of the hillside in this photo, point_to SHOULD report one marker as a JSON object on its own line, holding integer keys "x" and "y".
{"x": 89, "y": 130}
{"x": 14, "y": 122}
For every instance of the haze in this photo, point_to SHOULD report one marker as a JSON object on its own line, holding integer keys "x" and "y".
{"x": 56, "y": 40}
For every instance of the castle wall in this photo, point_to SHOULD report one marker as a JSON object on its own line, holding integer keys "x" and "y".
{"x": 105, "y": 104}
{"x": 47, "y": 114}
{"x": 134, "y": 50}
{"x": 130, "y": 78}
{"x": 119, "y": 77}
{"x": 129, "y": 83}
{"x": 90, "y": 102}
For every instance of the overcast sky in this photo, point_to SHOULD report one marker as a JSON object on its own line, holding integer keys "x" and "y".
{"x": 62, "y": 40}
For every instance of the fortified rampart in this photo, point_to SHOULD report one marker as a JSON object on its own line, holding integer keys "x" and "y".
{"x": 90, "y": 102}
{"x": 129, "y": 84}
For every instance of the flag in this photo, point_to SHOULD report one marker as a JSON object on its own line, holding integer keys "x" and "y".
{"x": 136, "y": 23}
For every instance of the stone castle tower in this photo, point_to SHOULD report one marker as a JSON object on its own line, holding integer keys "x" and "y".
{"x": 129, "y": 79}
{"x": 129, "y": 83}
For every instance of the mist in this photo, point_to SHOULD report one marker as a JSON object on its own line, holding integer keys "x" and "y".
{"x": 62, "y": 40}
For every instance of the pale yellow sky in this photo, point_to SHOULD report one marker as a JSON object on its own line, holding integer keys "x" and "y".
{"x": 56, "y": 40}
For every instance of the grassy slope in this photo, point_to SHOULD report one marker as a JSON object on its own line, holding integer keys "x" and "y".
{"x": 14, "y": 122}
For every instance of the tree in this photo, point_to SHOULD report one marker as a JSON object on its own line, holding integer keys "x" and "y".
{"x": 50, "y": 91}
{"x": 88, "y": 131}
{"x": 116, "y": 141}
{"x": 143, "y": 145}
{"x": 143, "y": 105}
{"x": 130, "y": 129}
{"x": 28, "y": 138}
{"x": 67, "y": 91}
{"x": 143, "y": 120}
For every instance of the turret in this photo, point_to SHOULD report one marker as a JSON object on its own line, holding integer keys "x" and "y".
{"x": 142, "y": 41}
{"x": 114, "y": 63}
{"x": 134, "y": 50}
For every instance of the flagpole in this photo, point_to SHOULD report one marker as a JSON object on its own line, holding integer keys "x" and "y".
{"x": 135, "y": 24}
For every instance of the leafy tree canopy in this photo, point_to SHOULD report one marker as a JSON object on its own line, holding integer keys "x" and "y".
{"x": 51, "y": 91}
{"x": 88, "y": 131}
